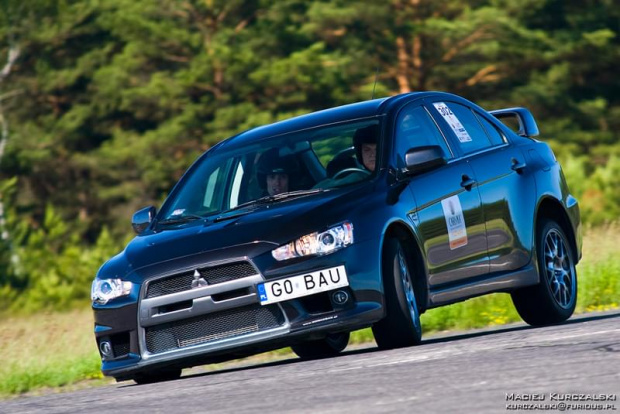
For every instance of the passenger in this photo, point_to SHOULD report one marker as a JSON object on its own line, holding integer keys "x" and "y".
{"x": 274, "y": 172}
{"x": 365, "y": 143}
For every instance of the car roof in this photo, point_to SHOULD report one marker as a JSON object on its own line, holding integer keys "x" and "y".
{"x": 358, "y": 110}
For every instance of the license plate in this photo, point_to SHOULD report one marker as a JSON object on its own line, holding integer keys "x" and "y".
{"x": 302, "y": 285}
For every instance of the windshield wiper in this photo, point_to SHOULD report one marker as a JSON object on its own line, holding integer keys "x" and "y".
{"x": 272, "y": 198}
{"x": 297, "y": 193}
{"x": 265, "y": 200}
{"x": 180, "y": 219}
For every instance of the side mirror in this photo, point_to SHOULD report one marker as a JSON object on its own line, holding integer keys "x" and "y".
{"x": 142, "y": 219}
{"x": 424, "y": 158}
{"x": 521, "y": 118}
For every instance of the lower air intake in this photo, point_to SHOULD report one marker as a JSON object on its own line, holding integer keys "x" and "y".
{"x": 212, "y": 327}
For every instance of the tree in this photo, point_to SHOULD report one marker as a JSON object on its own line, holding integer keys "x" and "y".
{"x": 104, "y": 104}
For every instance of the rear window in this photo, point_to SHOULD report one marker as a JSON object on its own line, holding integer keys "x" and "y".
{"x": 496, "y": 137}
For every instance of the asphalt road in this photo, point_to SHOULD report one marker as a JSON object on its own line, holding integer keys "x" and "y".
{"x": 484, "y": 371}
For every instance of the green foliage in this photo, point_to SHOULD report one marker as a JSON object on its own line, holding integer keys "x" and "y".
{"x": 597, "y": 191}
{"x": 54, "y": 268}
{"x": 110, "y": 101}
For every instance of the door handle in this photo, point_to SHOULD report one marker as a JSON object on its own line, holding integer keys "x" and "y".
{"x": 467, "y": 182}
{"x": 518, "y": 166}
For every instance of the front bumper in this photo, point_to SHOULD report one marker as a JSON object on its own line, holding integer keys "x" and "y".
{"x": 225, "y": 320}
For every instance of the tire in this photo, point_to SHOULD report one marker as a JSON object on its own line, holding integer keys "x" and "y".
{"x": 401, "y": 326}
{"x": 329, "y": 346}
{"x": 553, "y": 300}
{"x": 151, "y": 377}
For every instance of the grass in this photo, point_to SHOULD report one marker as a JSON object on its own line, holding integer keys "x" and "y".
{"x": 599, "y": 271}
{"x": 50, "y": 350}
{"x": 58, "y": 349}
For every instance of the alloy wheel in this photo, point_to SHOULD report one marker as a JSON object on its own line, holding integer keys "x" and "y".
{"x": 559, "y": 269}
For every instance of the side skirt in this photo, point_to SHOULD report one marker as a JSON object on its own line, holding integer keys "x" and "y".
{"x": 503, "y": 282}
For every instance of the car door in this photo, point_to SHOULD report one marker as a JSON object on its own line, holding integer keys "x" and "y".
{"x": 507, "y": 188}
{"x": 448, "y": 214}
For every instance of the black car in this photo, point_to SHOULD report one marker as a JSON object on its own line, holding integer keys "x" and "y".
{"x": 366, "y": 215}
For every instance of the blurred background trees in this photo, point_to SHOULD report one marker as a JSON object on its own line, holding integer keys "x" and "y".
{"x": 105, "y": 103}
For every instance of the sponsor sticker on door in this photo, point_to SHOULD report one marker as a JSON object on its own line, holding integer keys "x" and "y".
{"x": 455, "y": 221}
{"x": 453, "y": 121}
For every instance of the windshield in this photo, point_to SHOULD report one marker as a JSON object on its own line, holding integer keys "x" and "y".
{"x": 287, "y": 166}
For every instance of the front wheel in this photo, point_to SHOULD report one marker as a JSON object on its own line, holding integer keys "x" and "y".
{"x": 553, "y": 300}
{"x": 401, "y": 326}
{"x": 329, "y": 346}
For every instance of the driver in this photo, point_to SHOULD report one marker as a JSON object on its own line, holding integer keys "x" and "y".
{"x": 365, "y": 143}
{"x": 274, "y": 172}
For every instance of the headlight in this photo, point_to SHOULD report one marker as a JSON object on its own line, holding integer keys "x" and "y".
{"x": 317, "y": 243}
{"x": 104, "y": 290}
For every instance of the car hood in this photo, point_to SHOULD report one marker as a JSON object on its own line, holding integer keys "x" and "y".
{"x": 245, "y": 233}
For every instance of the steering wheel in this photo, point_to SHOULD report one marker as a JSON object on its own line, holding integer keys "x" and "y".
{"x": 349, "y": 171}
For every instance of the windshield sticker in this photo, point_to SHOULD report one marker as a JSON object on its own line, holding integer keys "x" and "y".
{"x": 453, "y": 213}
{"x": 453, "y": 121}
{"x": 178, "y": 212}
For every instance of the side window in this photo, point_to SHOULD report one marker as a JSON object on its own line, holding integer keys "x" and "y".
{"x": 215, "y": 189}
{"x": 415, "y": 128}
{"x": 207, "y": 202}
{"x": 236, "y": 187}
{"x": 496, "y": 137}
{"x": 463, "y": 122}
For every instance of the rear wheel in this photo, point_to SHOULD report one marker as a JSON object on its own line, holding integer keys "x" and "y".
{"x": 401, "y": 326}
{"x": 329, "y": 346}
{"x": 553, "y": 300}
{"x": 151, "y": 377}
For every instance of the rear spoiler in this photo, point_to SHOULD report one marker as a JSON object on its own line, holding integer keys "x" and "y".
{"x": 527, "y": 124}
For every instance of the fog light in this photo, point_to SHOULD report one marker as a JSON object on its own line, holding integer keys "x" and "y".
{"x": 340, "y": 297}
{"x": 106, "y": 349}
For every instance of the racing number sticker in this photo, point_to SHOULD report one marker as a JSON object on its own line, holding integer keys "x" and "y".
{"x": 453, "y": 121}
{"x": 457, "y": 232}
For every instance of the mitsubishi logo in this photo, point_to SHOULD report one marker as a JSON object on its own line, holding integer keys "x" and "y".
{"x": 198, "y": 280}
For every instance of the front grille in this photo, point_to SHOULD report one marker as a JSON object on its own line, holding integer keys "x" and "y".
{"x": 213, "y": 275}
{"x": 212, "y": 327}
